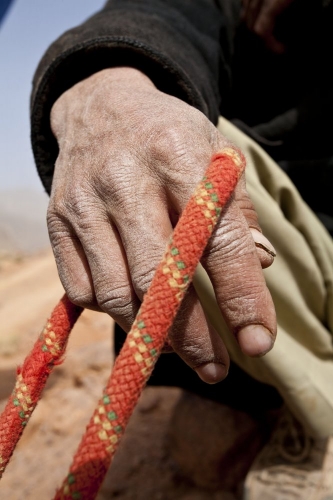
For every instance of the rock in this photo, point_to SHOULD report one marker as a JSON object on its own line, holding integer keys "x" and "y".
{"x": 181, "y": 446}
{"x": 213, "y": 444}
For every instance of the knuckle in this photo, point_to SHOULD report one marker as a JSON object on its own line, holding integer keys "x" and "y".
{"x": 167, "y": 143}
{"x": 80, "y": 297}
{"x": 244, "y": 303}
{"x": 125, "y": 207}
{"x": 122, "y": 188}
{"x": 228, "y": 244}
{"x": 57, "y": 227}
{"x": 53, "y": 220}
{"x": 251, "y": 217}
{"x": 141, "y": 282}
{"x": 193, "y": 352}
{"x": 79, "y": 210}
{"x": 59, "y": 208}
{"x": 76, "y": 203}
{"x": 117, "y": 302}
{"x": 243, "y": 291}
{"x": 171, "y": 140}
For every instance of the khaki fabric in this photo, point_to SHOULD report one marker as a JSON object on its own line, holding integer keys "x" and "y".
{"x": 300, "y": 366}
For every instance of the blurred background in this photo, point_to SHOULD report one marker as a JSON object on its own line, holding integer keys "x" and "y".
{"x": 27, "y": 28}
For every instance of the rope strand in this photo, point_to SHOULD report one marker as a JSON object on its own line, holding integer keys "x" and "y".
{"x": 31, "y": 378}
{"x": 143, "y": 344}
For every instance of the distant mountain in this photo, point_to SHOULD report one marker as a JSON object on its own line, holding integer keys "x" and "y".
{"x": 23, "y": 221}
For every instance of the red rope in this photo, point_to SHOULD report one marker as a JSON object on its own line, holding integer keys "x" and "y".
{"x": 143, "y": 344}
{"x": 32, "y": 376}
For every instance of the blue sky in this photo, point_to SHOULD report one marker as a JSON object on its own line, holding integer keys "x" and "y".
{"x": 27, "y": 30}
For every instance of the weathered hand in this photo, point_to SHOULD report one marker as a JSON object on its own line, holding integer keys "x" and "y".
{"x": 260, "y": 17}
{"x": 130, "y": 157}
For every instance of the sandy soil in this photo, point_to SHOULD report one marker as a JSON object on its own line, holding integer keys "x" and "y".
{"x": 177, "y": 446}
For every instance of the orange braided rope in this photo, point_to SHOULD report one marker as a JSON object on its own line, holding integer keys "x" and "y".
{"x": 32, "y": 376}
{"x": 143, "y": 345}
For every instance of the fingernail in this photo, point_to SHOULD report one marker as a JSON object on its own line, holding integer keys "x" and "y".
{"x": 255, "y": 340}
{"x": 262, "y": 242}
{"x": 211, "y": 373}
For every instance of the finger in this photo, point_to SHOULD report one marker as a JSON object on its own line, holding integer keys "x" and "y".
{"x": 232, "y": 262}
{"x": 73, "y": 267}
{"x": 233, "y": 266}
{"x": 109, "y": 271}
{"x": 265, "y": 249}
{"x": 191, "y": 337}
{"x": 197, "y": 343}
{"x": 144, "y": 233}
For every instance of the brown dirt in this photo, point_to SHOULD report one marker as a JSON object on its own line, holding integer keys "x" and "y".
{"x": 177, "y": 446}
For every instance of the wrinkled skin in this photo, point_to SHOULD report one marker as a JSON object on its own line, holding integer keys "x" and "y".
{"x": 261, "y": 16}
{"x": 130, "y": 157}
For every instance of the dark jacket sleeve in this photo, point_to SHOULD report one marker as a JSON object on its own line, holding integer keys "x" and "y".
{"x": 177, "y": 43}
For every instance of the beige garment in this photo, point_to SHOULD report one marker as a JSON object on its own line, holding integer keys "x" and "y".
{"x": 300, "y": 365}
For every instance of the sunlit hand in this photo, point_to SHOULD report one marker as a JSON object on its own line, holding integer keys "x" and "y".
{"x": 130, "y": 157}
